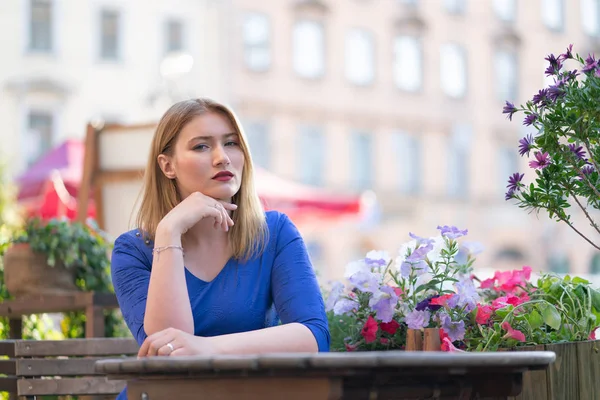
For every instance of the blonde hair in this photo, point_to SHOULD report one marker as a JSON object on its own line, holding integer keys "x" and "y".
{"x": 248, "y": 235}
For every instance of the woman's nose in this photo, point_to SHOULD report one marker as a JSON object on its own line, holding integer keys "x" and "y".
{"x": 220, "y": 156}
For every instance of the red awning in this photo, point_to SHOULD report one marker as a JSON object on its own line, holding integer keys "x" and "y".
{"x": 49, "y": 189}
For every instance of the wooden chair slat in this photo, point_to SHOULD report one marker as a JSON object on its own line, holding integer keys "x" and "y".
{"x": 8, "y": 367}
{"x": 68, "y": 386}
{"x": 7, "y": 347}
{"x": 75, "y": 347}
{"x": 8, "y": 384}
{"x": 56, "y": 366}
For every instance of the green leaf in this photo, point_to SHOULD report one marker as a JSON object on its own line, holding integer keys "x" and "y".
{"x": 595, "y": 299}
{"x": 551, "y": 316}
{"x": 535, "y": 320}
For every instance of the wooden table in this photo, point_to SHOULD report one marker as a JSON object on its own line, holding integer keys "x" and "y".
{"x": 92, "y": 303}
{"x": 368, "y": 375}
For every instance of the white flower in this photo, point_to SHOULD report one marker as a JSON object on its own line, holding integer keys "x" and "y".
{"x": 355, "y": 267}
{"x": 435, "y": 255}
{"x": 405, "y": 248}
{"x": 379, "y": 255}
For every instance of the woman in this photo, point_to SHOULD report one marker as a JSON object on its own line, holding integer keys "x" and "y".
{"x": 208, "y": 271}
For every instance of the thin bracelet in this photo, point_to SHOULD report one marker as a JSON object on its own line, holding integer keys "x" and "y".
{"x": 157, "y": 250}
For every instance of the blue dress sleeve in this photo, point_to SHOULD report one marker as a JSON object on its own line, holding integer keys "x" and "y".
{"x": 296, "y": 293}
{"x": 130, "y": 271}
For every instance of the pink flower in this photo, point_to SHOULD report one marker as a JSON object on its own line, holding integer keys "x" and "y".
{"x": 595, "y": 334}
{"x": 541, "y": 160}
{"x": 487, "y": 283}
{"x": 441, "y": 300}
{"x": 449, "y": 347}
{"x": 351, "y": 347}
{"x": 384, "y": 341}
{"x": 512, "y": 333}
{"x": 483, "y": 314}
{"x": 369, "y": 331}
{"x": 398, "y": 291}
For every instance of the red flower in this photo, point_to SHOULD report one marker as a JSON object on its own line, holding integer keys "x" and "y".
{"x": 512, "y": 333}
{"x": 390, "y": 327}
{"x": 443, "y": 334}
{"x": 384, "y": 341}
{"x": 483, "y": 314}
{"x": 449, "y": 347}
{"x": 441, "y": 300}
{"x": 351, "y": 347}
{"x": 369, "y": 331}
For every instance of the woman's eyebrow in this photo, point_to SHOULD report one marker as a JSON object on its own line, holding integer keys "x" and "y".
{"x": 228, "y": 135}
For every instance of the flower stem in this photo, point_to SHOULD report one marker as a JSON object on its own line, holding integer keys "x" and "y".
{"x": 575, "y": 229}
{"x": 594, "y": 225}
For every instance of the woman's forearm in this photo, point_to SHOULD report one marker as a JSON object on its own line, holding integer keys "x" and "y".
{"x": 168, "y": 304}
{"x": 293, "y": 337}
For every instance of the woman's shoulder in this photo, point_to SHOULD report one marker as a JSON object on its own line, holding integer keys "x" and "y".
{"x": 275, "y": 219}
{"x": 134, "y": 241}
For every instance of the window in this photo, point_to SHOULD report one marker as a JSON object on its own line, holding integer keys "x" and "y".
{"x": 257, "y": 32}
{"x": 408, "y": 155}
{"x": 507, "y": 75}
{"x": 40, "y": 25}
{"x": 360, "y": 57}
{"x": 455, "y": 6}
{"x": 40, "y": 132}
{"x": 458, "y": 162}
{"x": 109, "y": 35}
{"x": 408, "y": 70}
{"x": 505, "y": 9}
{"x": 174, "y": 36}
{"x": 362, "y": 160}
{"x": 508, "y": 164}
{"x": 258, "y": 140}
{"x": 309, "y": 49}
{"x": 590, "y": 16}
{"x": 552, "y": 14}
{"x": 453, "y": 69}
{"x": 311, "y": 154}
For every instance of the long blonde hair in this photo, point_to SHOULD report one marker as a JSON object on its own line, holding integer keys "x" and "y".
{"x": 248, "y": 235}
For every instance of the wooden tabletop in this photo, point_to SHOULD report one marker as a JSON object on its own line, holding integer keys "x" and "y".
{"x": 404, "y": 360}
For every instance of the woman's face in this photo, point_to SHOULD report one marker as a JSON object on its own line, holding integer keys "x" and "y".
{"x": 207, "y": 158}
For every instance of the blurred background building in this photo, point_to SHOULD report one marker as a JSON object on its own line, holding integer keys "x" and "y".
{"x": 398, "y": 101}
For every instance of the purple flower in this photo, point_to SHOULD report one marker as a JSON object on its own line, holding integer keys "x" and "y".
{"x": 541, "y": 160}
{"x": 451, "y": 232}
{"x": 513, "y": 182}
{"x": 420, "y": 240}
{"x": 577, "y": 150}
{"x": 570, "y": 75}
{"x": 417, "y": 319}
{"x": 509, "y": 195}
{"x": 419, "y": 254}
{"x": 540, "y": 98}
{"x": 530, "y": 119}
{"x": 591, "y": 64}
{"x": 568, "y": 54}
{"x": 364, "y": 281}
{"x": 555, "y": 91}
{"x": 377, "y": 259}
{"x": 384, "y": 303}
{"x": 426, "y": 304}
{"x": 525, "y": 145}
{"x": 454, "y": 330}
{"x": 466, "y": 294}
{"x": 586, "y": 170}
{"x": 344, "y": 305}
{"x": 555, "y": 65}
{"x": 334, "y": 295}
{"x": 509, "y": 109}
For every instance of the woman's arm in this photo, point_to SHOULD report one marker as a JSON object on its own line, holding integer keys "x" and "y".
{"x": 168, "y": 304}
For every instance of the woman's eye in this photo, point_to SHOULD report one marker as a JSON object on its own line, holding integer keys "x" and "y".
{"x": 201, "y": 147}
{"x": 231, "y": 144}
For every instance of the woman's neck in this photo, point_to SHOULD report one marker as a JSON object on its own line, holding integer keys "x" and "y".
{"x": 204, "y": 234}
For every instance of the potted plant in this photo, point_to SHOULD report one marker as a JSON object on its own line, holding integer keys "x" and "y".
{"x": 56, "y": 256}
{"x": 565, "y": 149}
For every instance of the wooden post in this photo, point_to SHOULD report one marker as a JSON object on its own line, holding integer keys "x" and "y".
{"x": 15, "y": 328}
{"x": 94, "y": 322}
{"x": 431, "y": 340}
{"x": 414, "y": 340}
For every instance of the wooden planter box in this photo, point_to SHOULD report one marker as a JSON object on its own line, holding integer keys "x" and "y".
{"x": 574, "y": 375}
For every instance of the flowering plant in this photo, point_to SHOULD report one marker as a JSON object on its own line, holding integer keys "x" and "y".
{"x": 426, "y": 285}
{"x": 430, "y": 284}
{"x": 566, "y": 148}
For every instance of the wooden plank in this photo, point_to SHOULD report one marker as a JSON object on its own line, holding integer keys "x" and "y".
{"x": 76, "y": 347}
{"x": 7, "y": 348}
{"x": 534, "y": 382}
{"x": 94, "y": 322}
{"x": 588, "y": 359}
{"x": 29, "y": 367}
{"x": 15, "y": 327}
{"x": 8, "y": 367}
{"x": 237, "y": 389}
{"x": 56, "y": 303}
{"x": 68, "y": 386}
{"x": 563, "y": 381}
{"x": 83, "y": 196}
{"x": 8, "y": 384}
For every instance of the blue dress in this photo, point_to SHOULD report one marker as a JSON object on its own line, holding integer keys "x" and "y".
{"x": 279, "y": 285}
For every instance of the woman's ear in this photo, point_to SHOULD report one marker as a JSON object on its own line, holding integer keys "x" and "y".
{"x": 166, "y": 165}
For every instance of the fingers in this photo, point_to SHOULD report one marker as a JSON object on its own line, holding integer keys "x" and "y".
{"x": 168, "y": 348}
{"x": 228, "y": 206}
{"x": 155, "y": 342}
